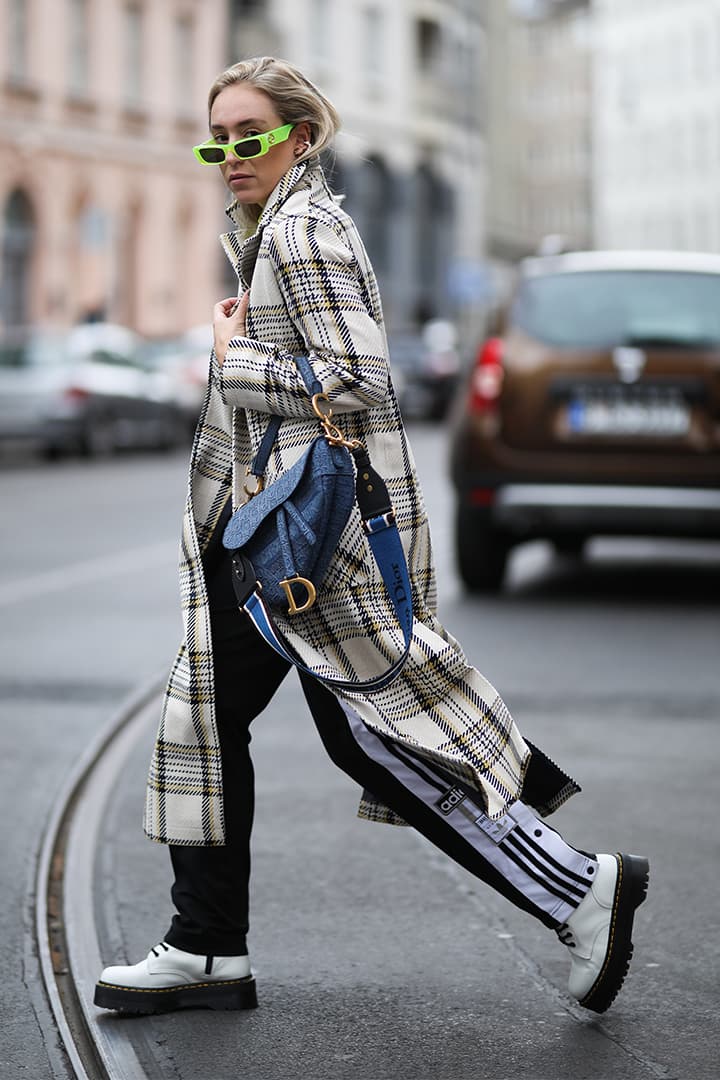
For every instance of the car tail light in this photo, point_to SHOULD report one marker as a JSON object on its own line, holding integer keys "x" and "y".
{"x": 482, "y": 496}
{"x": 76, "y": 394}
{"x": 487, "y": 377}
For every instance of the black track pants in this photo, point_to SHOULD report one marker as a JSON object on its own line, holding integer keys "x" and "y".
{"x": 520, "y": 856}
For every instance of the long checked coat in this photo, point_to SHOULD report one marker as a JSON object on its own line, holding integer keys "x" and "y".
{"x": 313, "y": 291}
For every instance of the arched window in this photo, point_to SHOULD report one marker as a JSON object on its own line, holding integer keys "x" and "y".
{"x": 428, "y": 212}
{"x": 78, "y": 29}
{"x": 128, "y": 298}
{"x": 184, "y": 278}
{"x": 433, "y": 229}
{"x": 376, "y": 194}
{"x": 88, "y": 259}
{"x": 335, "y": 172}
{"x": 17, "y": 38}
{"x": 18, "y": 238}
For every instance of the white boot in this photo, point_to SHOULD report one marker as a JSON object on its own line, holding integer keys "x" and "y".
{"x": 599, "y": 932}
{"x": 172, "y": 979}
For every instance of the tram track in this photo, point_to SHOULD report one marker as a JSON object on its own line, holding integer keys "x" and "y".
{"x": 64, "y": 924}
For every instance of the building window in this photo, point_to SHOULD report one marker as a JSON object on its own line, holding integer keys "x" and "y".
{"x": 373, "y": 37}
{"x": 79, "y": 47}
{"x": 93, "y": 228}
{"x": 238, "y": 8}
{"x": 377, "y": 211}
{"x": 133, "y": 55}
{"x": 18, "y": 236}
{"x": 432, "y": 227}
{"x": 427, "y": 38}
{"x": 17, "y": 40}
{"x": 320, "y": 36}
{"x": 335, "y": 172}
{"x": 184, "y": 64}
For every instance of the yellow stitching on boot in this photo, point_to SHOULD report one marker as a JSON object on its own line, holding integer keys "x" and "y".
{"x": 180, "y": 986}
{"x": 611, "y": 934}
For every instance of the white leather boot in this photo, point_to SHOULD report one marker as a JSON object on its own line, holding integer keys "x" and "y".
{"x": 599, "y": 932}
{"x": 172, "y": 979}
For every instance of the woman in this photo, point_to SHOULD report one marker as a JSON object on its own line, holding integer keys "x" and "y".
{"x": 437, "y": 748}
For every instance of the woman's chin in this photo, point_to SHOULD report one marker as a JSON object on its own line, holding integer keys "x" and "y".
{"x": 245, "y": 191}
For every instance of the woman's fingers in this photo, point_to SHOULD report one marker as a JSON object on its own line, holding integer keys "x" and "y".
{"x": 229, "y": 321}
{"x": 224, "y": 308}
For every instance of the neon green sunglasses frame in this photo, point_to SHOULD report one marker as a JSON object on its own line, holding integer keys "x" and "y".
{"x": 215, "y": 153}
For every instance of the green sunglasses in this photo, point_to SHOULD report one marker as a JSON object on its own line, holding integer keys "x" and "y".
{"x": 214, "y": 153}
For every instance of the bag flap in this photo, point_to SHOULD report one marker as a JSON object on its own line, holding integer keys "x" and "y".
{"x": 322, "y": 460}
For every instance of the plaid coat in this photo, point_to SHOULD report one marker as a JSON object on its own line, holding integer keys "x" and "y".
{"x": 313, "y": 291}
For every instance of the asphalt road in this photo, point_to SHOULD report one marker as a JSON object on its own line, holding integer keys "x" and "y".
{"x": 373, "y": 955}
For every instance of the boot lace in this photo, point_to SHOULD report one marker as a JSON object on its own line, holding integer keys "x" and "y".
{"x": 162, "y": 945}
{"x": 566, "y": 936}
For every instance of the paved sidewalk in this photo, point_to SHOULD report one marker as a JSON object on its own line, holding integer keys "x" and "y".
{"x": 375, "y": 957}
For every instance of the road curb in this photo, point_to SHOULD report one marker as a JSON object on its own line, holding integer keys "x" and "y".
{"x": 65, "y": 931}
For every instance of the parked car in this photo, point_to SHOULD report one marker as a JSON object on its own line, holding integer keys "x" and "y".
{"x": 425, "y": 367}
{"x": 596, "y": 410}
{"x": 82, "y": 390}
{"x": 185, "y": 363}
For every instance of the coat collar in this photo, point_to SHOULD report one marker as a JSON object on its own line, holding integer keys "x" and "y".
{"x": 242, "y": 253}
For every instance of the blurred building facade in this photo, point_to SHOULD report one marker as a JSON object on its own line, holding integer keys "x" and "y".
{"x": 657, "y": 124}
{"x": 408, "y": 80}
{"x": 539, "y": 125}
{"x": 104, "y": 212}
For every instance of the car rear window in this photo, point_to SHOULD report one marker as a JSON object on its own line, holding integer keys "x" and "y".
{"x": 604, "y": 308}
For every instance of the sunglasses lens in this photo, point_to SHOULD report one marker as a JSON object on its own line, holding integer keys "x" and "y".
{"x": 247, "y": 148}
{"x": 212, "y": 155}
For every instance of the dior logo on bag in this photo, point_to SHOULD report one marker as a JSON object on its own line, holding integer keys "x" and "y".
{"x": 294, "y": 608}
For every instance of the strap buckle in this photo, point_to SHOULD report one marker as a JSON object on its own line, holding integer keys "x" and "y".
{"x": 259, "y": 484}
{"x": 333, "y": 434}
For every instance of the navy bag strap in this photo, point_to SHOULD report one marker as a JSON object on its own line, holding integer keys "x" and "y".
{"x": 313, "y": 387}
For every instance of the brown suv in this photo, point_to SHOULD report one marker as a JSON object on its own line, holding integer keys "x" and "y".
{"x": 596, "y": 410}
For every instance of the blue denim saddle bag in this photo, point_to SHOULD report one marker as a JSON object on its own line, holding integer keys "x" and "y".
{"x": 291, "y": 529}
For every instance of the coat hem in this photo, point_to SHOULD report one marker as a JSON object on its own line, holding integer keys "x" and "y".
{"x": 202, "y": 841}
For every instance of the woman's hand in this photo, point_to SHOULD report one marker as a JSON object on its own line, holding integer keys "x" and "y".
{"x": 229, "y": 322}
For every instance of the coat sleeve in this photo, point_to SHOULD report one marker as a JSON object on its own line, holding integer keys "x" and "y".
{"x": 325, "y": 296}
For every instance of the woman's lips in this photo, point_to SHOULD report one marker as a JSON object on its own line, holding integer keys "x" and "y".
{"x": 237, "y": 178}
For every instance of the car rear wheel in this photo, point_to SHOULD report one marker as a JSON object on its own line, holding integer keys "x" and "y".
{"x": 571, "y": 546}
{"x": 98, "y": 437}
{"x": 481, "y": 550}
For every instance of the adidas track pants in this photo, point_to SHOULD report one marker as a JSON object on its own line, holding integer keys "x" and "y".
{"x": 520, "y": 856}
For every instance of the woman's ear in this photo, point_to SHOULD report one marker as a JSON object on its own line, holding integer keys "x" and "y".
{"x": 302, "y": 138}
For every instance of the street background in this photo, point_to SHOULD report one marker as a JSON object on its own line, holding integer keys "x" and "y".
{"x": 610, "y": 665}
{"x": 475, "y": 132}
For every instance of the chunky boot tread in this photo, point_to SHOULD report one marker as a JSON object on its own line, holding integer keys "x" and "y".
{"x": 224, "y": 994}
{"x": 630, "y": 891}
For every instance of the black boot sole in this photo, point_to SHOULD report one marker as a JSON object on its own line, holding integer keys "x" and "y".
{"x": 630, "y": 891}
{"x": 228, "y": 994}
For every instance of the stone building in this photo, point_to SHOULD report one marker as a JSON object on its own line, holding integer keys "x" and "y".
{"x": 657, "y": 124}
{"x": 539, "y": 125}
{"x": 104, "y": 212}
{"x": 408, "y": 79}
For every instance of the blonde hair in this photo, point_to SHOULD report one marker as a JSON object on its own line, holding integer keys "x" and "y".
{"x": 296, "y": 101}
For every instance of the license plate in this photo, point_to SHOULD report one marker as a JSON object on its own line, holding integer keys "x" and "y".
{"x": 657, "y": 419}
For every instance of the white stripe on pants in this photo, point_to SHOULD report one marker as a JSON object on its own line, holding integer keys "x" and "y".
{"x": 526, "y": 852}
